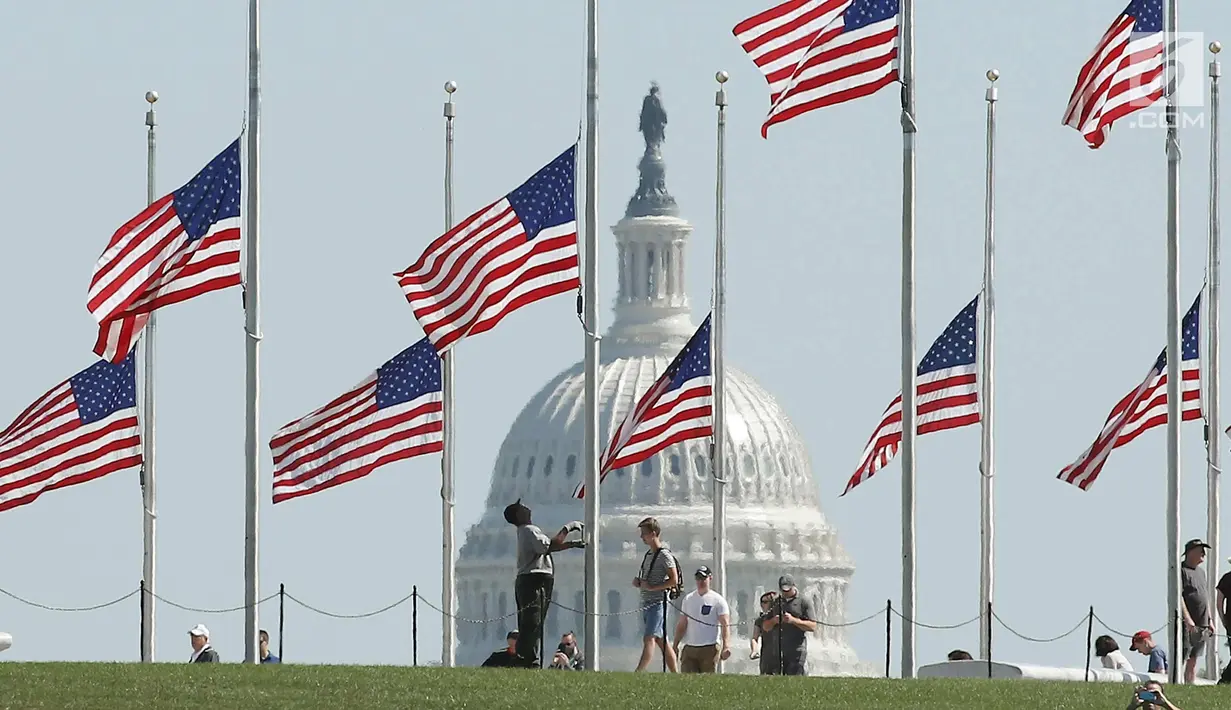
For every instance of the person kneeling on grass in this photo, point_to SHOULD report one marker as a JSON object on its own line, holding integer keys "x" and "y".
{"x": 504, "y": 657}
{"x": 1150, "y": 697}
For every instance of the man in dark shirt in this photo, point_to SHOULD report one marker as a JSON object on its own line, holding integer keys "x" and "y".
{"x": 1223, "y": 606}
{"x": 505, "y": 657}
{"x": 794, "y": 619}
{"x": 1198, "y": 623}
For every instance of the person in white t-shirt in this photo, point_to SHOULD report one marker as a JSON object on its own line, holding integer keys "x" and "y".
{"x": 1108, "y": 651}
{"x": 703, "y": 614}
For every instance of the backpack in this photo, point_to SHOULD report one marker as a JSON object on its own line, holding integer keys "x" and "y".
{"x": 676, "y": 591}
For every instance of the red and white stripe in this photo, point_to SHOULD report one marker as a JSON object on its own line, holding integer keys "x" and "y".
{"x": 945, "y": 399}
{"x": 809, "y": 60}
{"x": 150, "y": 263}
{"x": 350, "y": 437}
{"x": 47, "y": 447}
{"x": 1123, "y": 75}
{"x": 660, "y": 419}
{"x": 1143, "y": 408}
{"x": 483, "y": 269}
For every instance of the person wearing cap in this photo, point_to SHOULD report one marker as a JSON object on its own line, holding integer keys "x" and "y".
{"x": 794, "y": 618}
{"x": 202, "y": 652}
{"x": 1143, "y": 643}
{"x": 535, "y": 579}
{"x": 1198, "y": 622}
{"x": 505, "y": 657}
{"x": 703, "y": 613}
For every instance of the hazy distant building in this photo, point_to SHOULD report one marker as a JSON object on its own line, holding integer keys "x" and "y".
{"x": 774, "y": 515}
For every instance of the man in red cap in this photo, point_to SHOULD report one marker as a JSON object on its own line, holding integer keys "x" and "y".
{"x": 1143, "y": 643}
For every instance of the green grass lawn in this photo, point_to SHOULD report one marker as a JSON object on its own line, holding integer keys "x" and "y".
{"x": 113, "y": 686}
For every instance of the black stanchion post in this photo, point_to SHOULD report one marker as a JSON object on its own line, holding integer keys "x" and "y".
{"x": 781, "y": 668}
{"x": 888, "y": 634}
{"x": 989, "y": 640}
{"x": 281, "y": 616}
{"x": 414, "y": 625}
{"x": 541, "y": 601}
{"x": 664, "y": 648}
{"x": 141, "y": 624}
{"x": 1089, "y": 636}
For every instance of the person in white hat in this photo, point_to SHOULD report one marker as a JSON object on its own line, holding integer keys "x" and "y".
{"x": 202, "y": 652}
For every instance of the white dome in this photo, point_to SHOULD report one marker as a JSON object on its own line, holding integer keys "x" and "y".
{"x": 774, "y": 519}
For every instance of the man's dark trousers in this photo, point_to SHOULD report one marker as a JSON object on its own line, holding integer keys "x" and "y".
{"x": 532, "y": 592}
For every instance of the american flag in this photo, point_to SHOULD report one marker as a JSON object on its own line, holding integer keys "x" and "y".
{"x": 394, "y": 414}
{"x": 678, "y": 407}
{"x": 83, "y": 429}
{"x": 518, "y": 250}
{"x": 946, "y": 392}
{"x": 1123, "y": 75}
{"x": 183, "y": 245}
{"x": 1146, "y": 406}
{"x": 817, "y": 53}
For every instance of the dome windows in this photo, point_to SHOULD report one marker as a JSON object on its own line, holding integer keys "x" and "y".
{"x": 547, "y": 467}
{"x": 530, "y": 467}
{"x": 570, "y": 466}
{"x": 675, "y": 464}
{"x": 647, "y": 467}
{"x": 516, "y": 465}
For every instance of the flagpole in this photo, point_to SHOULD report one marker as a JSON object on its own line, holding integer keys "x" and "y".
{"x": 590, "y": 298}
{"x": 909, "y": 129}
{"x": 448, "y": 649}
{"x": 987, "y": 462}
{"x": 252, "y": 327}
{"x": 149, "y": 517}
{"x": 1173, "y": 347}
{"x": 717, "y": 327}
{"x": 1213, "y": 425}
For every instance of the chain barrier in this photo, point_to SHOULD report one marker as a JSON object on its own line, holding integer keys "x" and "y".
{"x": 194, "y": 610}
{"x": 1085, "y": 619}
{"x": 46, "y": 607}
{"x": 674, "y": 604}
{"x": 935, "y": 627}
{"x": 363, "y": 615}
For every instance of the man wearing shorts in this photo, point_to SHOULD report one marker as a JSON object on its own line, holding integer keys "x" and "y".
{"x": 703, "y": 615}
{"x": 657, "y": 575}
{"x": 1198, "y": 622}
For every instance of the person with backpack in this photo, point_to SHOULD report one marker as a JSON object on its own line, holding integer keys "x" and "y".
{"x": 658, "y": 580}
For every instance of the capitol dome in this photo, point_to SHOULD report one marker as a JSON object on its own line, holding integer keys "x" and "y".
{"x": 774, "y": 519}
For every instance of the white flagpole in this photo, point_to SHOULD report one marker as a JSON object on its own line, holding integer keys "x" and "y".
{"x": 717, "y": 360}
{"x": 590, "y": 298}
{"x": 1173, "y": 349}
{"x": 1213, "y": 425}
{"x": 448, "y": 648}
{"x": 909, "y": 129}
{"x": 987, "y": 460}
{"x": 149, "y": 517}
{"x": 252, "y": 327}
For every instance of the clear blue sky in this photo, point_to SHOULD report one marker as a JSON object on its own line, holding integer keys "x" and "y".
{"x": 352, "y": 162}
